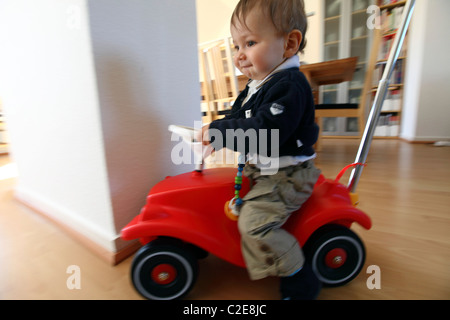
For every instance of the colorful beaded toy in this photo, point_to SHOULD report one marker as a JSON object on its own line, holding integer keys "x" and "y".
{"x": 231, "y": 209}
{"x": 238, "y": 185}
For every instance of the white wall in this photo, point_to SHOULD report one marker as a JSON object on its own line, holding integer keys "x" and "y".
{"x": 426, "y": 113}
{"x": 213, "y": 19}
{"x": 145, "y": 54}
{"x": 313, "y": 50}
{"x": 48, "y": 89}
{"x": 89, "y": 88}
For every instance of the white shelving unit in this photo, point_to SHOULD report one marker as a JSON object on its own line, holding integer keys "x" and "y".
{"x": 345, "y": 35}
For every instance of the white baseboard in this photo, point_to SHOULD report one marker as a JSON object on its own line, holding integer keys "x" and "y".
{"x": 92, "y": 238}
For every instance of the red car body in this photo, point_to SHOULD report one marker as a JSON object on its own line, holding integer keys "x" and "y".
{"x": 190, "y": 207}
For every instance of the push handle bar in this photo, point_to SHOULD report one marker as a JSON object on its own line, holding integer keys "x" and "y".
{"x": 367, "y": 137}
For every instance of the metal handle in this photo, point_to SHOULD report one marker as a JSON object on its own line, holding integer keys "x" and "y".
{"x": 366, "y": 140}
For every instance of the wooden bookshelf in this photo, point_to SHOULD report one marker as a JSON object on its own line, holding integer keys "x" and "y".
{"x": 390, "y": 119}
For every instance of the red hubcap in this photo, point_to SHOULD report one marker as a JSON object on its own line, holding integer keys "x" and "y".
{"x": 335, "y": 258}
{"x": 164, "y": 274}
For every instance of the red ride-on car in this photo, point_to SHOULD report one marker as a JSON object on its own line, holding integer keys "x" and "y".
{"x": 184, "y": 219}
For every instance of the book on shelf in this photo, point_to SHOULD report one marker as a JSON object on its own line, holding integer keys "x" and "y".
{"x": 391, "y": 19}
{"x": 388, "y": 126}
{"x": 397, "y": 75}
{"x": 387, "y": 2}
{"x": 392, "y": 102}
{"x": 386, "y": 45}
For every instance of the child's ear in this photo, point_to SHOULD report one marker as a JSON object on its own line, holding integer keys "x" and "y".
{"x": 292, "y": 44}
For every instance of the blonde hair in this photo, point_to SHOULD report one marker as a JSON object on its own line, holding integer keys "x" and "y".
{"x": 286, "y": 15}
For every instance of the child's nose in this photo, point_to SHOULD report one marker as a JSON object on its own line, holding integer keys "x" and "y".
{"x": 239, "y": 55}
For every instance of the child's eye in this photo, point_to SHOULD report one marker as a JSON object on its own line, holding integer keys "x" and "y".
{"x": 251, "y": 43}
{"x": 236, "y": 48}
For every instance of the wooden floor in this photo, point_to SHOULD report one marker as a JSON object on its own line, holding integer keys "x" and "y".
{"x": 405, "y": 189}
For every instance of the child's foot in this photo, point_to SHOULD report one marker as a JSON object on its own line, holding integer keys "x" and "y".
{"x": 304, "y": 285}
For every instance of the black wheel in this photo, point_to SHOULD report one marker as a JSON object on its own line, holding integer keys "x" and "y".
{"x": 163, "y": 271}
{"x": 199, "y": 253}
{"x": 336, "y": 254}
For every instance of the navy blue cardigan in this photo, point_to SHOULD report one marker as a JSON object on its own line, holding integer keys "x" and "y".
{"x": 284, "y": 102}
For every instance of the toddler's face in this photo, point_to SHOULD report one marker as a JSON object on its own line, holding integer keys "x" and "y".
{"x": 259, "y": 48}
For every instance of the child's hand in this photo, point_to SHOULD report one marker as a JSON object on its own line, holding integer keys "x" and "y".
{"x": 203, "y": 135}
